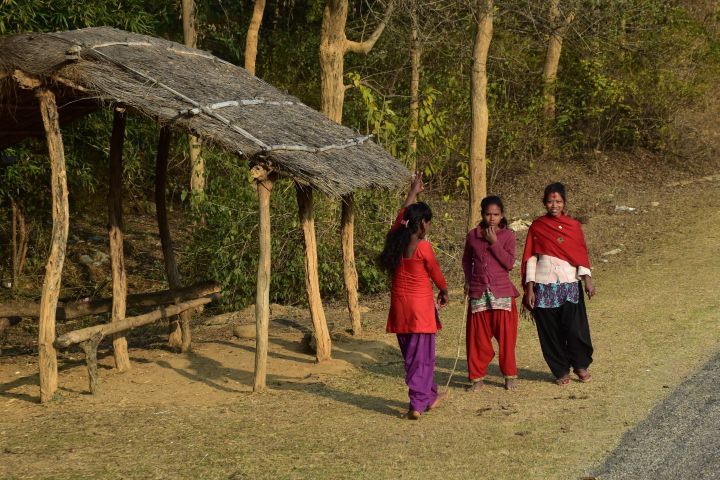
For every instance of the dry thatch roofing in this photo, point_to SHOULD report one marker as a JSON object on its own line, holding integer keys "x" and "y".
{"x": 188, "y": 89}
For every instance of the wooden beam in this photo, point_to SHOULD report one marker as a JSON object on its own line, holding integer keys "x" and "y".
{"x": 264, "y": 181}
{"x": 349, "y": 270}
{"x": 312, "y": 284}
{"x": 82, "y": 308}
{"x": 83, "y": 334}
{"x": 179, "y": 335}
{"x": 115, "y": 232}
{"x": 90, "y": 347}
{"x": 47, "y": 356}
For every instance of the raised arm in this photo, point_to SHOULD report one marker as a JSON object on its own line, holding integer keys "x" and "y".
{"x": 504, "y": 251}
{"x": 416, "y": 187}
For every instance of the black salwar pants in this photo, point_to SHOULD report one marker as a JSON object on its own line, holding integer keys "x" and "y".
{"x": 564, "y": 335}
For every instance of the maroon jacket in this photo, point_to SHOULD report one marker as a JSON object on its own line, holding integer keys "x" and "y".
{"x": 488, "y": 266}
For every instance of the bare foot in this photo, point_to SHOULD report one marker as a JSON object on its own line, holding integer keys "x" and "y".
{"x": 583, "y": 375}
{"x": 564, "y": 380}
{"x": 440, "y": 399}
{"x": 510, "y": 384}
{"x": 413, "y": 415}
{"x": 476, "y": 386}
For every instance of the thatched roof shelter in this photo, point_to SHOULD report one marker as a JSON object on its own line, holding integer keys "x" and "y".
{"x": 50, "y": 79}
{"x": 191, "y": 90}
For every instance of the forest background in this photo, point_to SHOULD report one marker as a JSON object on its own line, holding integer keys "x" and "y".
{"x": 626, "y": 68}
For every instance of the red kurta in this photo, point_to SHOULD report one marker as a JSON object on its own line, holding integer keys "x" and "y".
{"x": 412, "y": 301}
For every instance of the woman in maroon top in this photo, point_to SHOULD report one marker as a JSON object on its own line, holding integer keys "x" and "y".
{"x": 487, "y": 260}
{"x": 409, "y": 260}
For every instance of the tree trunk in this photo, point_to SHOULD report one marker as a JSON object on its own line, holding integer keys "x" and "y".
{"x": 415, "y": 53}
{"x": 14, "y": 244}
{"x": 23, "y": 240}
{"x": 334, "y": 44}
{"x": 197, "y": 162}
{"x": 47, "y": 356}
{"x": 349, "y": 271}
{"x": 179, "y": 336}
{"x": 479, "y": 107}
{"x": 312, "y": 284}
{"x": 251, "y": 40}
{"x": 264, "y": 183}
{"x": 115, "y": 231}
{"x": 552, "y": 59}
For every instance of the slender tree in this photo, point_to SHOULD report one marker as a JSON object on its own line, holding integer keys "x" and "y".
{"x": 334, "y": 45}
{"x": 415, "y": 53}
{"x": 479, "y": 109}
{"x": 558, "y": 28}
{"x": 197, "y": 162}
{"x": 251, "y": 40}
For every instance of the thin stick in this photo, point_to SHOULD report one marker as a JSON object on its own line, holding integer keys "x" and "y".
{"x": 459, "y": 342}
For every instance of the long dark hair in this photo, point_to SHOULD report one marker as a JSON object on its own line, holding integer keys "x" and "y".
{"x": 492, "y": 200}
{"x": 398, "y": 239}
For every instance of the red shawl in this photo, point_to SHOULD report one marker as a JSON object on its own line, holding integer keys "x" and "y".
{"x": 560, "y": 237}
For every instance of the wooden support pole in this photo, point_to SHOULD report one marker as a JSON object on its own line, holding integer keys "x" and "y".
{"x": 47, "y": 356}
{"x": 90, "y": 347}
{"x": 82, "y": 308}
{"x": 179, "y": 335}
{"x": 349, "y": 270}
{"x": 264, "y": 181}
{"x": 115, "y": 232}
{"x": 312, "y": 284}
{"x": 83, "y": 334}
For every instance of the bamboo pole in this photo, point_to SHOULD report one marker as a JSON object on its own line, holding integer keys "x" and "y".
{"x": 47, "y": 356}
{"x": 115, "y": 232}
{"x": 349, "y": 270}
{"x": 312, "y": 283}
{"x": 179, "y": 335}
{"x": 264, "y": 181}
{"x": 83, "y": 334}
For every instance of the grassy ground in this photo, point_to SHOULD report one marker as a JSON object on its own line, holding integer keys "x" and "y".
{"x": 656, "y": 318}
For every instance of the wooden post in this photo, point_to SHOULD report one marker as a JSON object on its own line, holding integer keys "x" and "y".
{"x": 47, "y": 356}
{"x": 264, "y": 181}
{"x": 179, "y": 337}
{"x": 312, "y": 284}
{"x": 115, "y": 232}
{"x": 90, "y": 347}
{"x": 349, "y": 270}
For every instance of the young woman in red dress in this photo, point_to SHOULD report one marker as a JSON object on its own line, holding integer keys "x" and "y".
{"x": 410, "y": 261}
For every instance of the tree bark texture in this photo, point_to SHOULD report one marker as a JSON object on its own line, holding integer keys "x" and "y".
{"x": 179, "y": 335}
{"x": 115, "y": 232}
{"x": 251, "y": 40}
{"x": 415, "y": 52}
{"x": 90, "y": 347}
{"x": 81, "y": 308}
{"x": 47, "y": 356}
{"x": 197, "y": 163}
{"x": 78, "y": 336}
{"x": 264, "y": 183}
{"x": 479, "y": 109}
{"x": 350, "y": 276}
{"x": 334, "y": 44}
{"x": 559, "y": 28}
{"x": 312, "y": 283}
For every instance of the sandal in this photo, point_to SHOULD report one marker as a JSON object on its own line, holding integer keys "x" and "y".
{"x": 562, "y": 381}
{"x": 583, "y": 375}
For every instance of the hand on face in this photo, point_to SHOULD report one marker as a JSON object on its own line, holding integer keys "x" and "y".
{"x": 490, "y": 234}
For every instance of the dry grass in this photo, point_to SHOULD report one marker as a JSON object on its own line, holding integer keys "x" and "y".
{"x": 655, "y": 320}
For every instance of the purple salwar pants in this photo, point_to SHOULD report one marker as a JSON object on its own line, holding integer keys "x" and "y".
{"x": 418, "y": 350}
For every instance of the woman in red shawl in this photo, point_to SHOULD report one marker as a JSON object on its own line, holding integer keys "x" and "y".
{"x": 554, "y": 262}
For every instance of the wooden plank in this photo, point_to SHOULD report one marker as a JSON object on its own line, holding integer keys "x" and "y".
{"x": 179, "y": 337}
{"x": 349, "y": 269}
{"x": 83, "y": 334}
{"x": 312, "y": 284}
{"x": 264, "y": 182}
{"x": 47, "y": 356}
{"x": 82, "y": 308}
{"x": 115, "y": 232}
